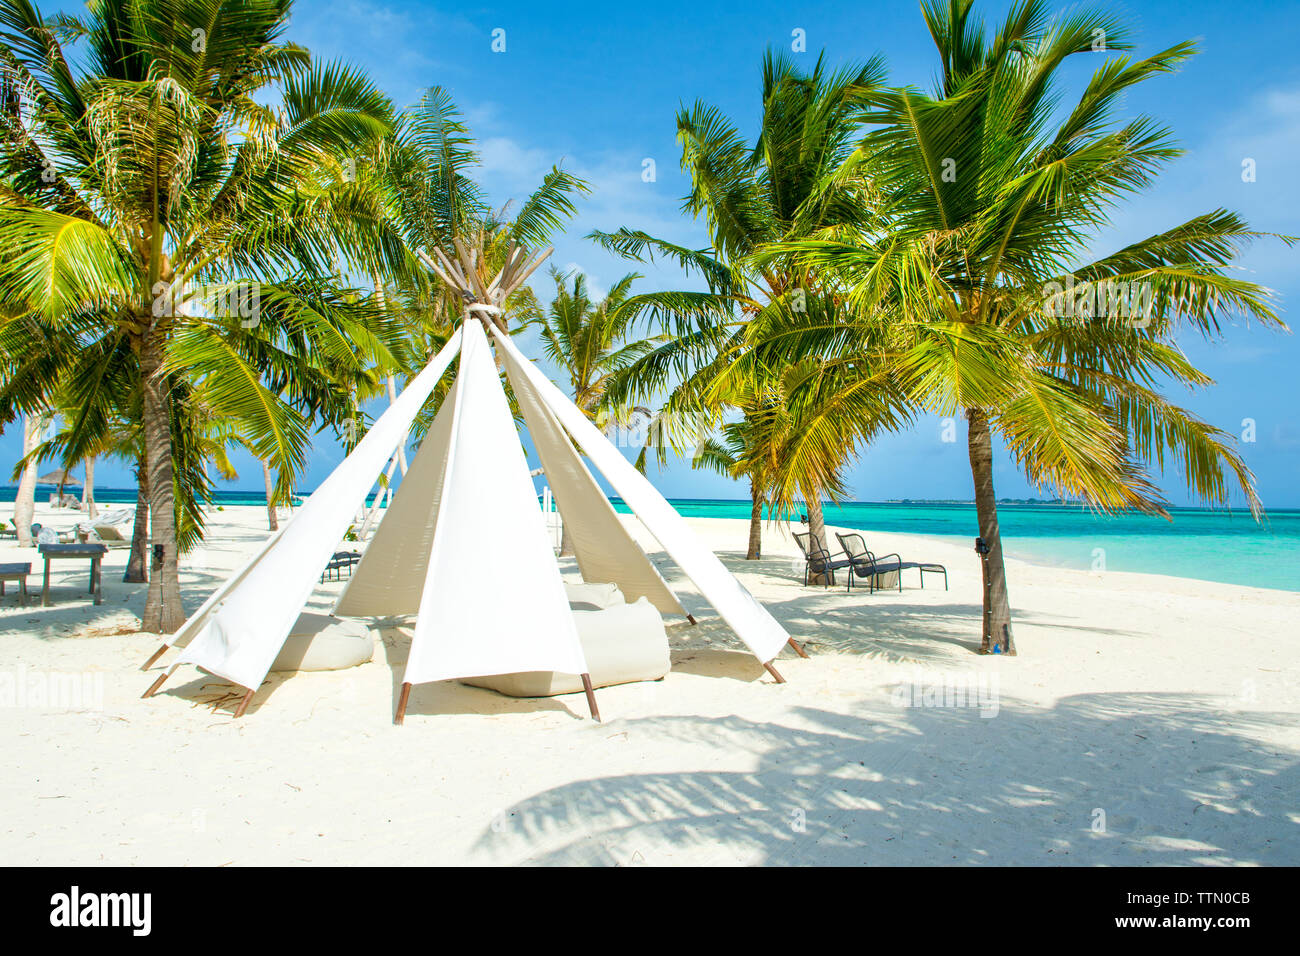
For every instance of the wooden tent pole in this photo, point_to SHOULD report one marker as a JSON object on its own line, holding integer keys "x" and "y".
{"x": 243, "y": 705}
{"x": 437, "y": 270}
{"x": 691, "y": 618}
{"x": 156, "y": 654}
{"x": 517, "y": 281}
{"x": 401, "y": 705}
{"x": 797, "y": 648}
{"x": 502, "y": 277}
{"x": 470, "y": 264}
{"x": 774, "y": 672}
{"x": 591, "y": 697}
{"x": 153, "y": 688}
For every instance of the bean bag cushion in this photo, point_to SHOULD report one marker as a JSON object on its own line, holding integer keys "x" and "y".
{"x": 593, "y": 596}
{"x": 622, "y": 644}
{"x": 319, "y": 642}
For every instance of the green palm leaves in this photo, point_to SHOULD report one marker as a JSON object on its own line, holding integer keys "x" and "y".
{"x": 587, "y": 338}
{"x": 786, "y": 185}
{"x": 967, "y": 288}
{"x": 192, "y": 153}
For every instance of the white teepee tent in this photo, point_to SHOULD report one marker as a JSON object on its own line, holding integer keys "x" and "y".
{"x": 467, "y": 500}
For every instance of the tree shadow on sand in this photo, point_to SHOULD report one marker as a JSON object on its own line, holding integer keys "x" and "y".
{"x": 1178, "y": 781}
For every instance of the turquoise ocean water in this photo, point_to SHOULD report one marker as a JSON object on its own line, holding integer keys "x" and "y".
{"x": 1208, "y": 545}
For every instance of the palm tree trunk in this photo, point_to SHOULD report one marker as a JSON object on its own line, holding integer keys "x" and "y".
{"x": 163, "y": 611}
{"x": 392, "y": 382}
{"x": 996, "y": 634}
{"x": 272, "y": 521}
{"x": 401, "y": 449}
{"x": 25, "y": 499}
{"x": 88, "y": 489}
{"x": 817, "y": 525}
{"x": 755, "y": 524}
{"x": 137, "y": 568}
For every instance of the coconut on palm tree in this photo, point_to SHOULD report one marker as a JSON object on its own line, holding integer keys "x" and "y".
{"x": 969, "y": 285}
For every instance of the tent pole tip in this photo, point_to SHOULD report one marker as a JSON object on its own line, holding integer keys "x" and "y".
{"x": 153, "y": 688}
{"x": 243, "y": 705}
{"x": 798, "y": 648}
{"x": 774, "y": 672}
{"x": 691, "y": 618}
{"x": 401, "y": 705}
{"x": 591, "y": 697}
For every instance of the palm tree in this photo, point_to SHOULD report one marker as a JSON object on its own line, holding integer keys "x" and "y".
{"x": 963, "y": 278}
{"x": 25, "y": 498}
{"x": 587, "y": 341}
{"x": 140, "y": 191}
{"x": 749, "y": 196}
{"x": 425, "y": 174}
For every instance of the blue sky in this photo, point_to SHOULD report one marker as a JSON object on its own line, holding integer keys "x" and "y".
{"x": 597, "y": 87}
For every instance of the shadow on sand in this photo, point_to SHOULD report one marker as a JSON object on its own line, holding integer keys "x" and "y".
{"x": 1178, "y": 781}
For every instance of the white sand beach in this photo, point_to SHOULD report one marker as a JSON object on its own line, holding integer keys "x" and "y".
{"x": 1147, "y": 720}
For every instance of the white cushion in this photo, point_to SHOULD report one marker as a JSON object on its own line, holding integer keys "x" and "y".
{"x": 597, "y": 595}
{"x": 322, "y": 643}
{"x": 622, "y": 644}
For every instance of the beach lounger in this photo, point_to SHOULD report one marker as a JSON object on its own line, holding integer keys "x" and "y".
{"x": 112, "y": 528}
{"x": 864, "y": 564}
{"x": 340, "y": 561}
{"x": 817, "y": 560}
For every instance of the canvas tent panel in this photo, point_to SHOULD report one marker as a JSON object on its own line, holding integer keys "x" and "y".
{"x": 389, "y": 579}
{"x": 242, "y": 636}
{"x": 195, "y": 622}
{"x": 749, "y": 619}
{"x": 604, "y": 549}
{"x": 493, "y": 600}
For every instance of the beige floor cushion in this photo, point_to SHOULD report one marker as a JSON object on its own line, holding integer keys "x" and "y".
{"x": 319, "y": 642}
{"x": 593, "y": 595}
{"x": 622, "y": 644}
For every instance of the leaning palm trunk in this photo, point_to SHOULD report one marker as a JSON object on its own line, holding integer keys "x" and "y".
{"x": 997, "y": 605}
{"x": 88, "y": 489}
{"x": 755, "y": 550}
{"x": 817, "y": 526}
{"x": 163, "y": 612}
{"x": 272, "y": 521}
{"x": 25, "y": 500}
{"x": 137, "y": 568}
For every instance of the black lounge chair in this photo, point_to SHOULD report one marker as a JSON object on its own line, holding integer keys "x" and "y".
{"x": 817, "y": 560}
{"x": 864, "y": 564}
{"x": 341, "y": 560}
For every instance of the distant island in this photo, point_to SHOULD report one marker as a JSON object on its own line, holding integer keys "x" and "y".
{"x": 971, "y": 503}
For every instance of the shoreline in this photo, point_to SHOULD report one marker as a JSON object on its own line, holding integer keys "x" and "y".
{"x": 64, "y": 517}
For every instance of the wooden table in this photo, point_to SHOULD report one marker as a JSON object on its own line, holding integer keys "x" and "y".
{"x": 16, "y": 572}
{"x": 95, "y": 552}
